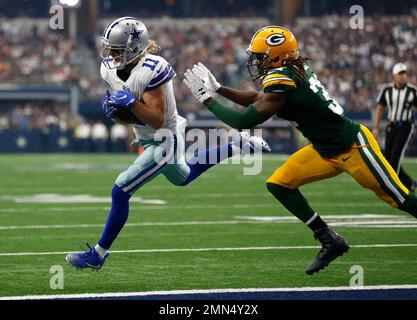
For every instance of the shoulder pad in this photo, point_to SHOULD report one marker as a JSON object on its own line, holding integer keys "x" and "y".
{"x": 161, "y": 71}
{"x": 103, "y": 71}
{"x": 278, "y": 80}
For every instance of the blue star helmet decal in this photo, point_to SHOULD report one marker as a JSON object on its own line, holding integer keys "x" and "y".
{"x": 135, "y": 33}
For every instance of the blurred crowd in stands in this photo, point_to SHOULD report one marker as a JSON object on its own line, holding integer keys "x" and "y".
{"x": 352, "y": 63}
{"x": 32, "y": 58}
{"x": 31, "y": 115}
{"x": 55, "y": 120}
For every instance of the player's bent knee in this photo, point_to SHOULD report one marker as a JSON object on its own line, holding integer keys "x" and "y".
{"x": 270, "y": 186}
{"x": 117, "y": 194}
{"x": 277, "y": 190}
{"x": 284, "y": 178}
{"x": 288, "y": 183}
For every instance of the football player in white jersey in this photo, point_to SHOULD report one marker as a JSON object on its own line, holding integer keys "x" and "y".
{"x": 142, "y": 82}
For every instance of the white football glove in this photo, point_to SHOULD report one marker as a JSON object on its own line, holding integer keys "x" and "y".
{"x": 196, "y": 86}
{"x": 207, "y": 77}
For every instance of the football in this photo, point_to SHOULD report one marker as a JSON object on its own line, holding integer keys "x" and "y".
{"x": 126, "y": 115}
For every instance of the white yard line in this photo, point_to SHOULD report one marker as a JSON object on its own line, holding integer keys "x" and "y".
{"x": 206, "y": 291}
{"x": 47, "y": 198}
{"x": 403, "y": 245}
{"x": 364, "y": 216}
{"x": 402, "y": 226}
{"x": 206, "y": 194}
{"x": 187, "y": 207}
{"x": 360, "y": 220}
{"x": 142, "y": 224}
{"x": 372, "y": 223}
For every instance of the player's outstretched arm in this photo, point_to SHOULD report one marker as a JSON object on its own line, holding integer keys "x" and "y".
{"x": 241, "y": 97}
{"x": 263, "y": 109}
{"x": 255, "y": 114}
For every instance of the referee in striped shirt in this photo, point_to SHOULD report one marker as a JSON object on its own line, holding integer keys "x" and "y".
{"x": 400, "y": 99}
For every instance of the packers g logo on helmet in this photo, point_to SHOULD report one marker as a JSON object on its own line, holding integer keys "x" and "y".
{"x": 275, "y": 39}
{"x": 269, "y": 48}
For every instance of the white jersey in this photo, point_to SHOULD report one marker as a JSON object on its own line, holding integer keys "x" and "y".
{"x": 150, "y": 72}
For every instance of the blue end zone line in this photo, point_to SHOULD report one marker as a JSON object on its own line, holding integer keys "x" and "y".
{"x": 303, "y": 293}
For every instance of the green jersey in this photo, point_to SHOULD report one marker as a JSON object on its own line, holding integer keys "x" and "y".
{"x": 312, "y": 111}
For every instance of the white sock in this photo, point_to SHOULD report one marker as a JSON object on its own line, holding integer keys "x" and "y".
{"x": 101, "y": 251}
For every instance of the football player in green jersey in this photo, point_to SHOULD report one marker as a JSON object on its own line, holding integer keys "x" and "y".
{"x": 292, "y": 91}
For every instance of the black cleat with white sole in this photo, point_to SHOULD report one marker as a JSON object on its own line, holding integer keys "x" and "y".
{"x": 333, "y": 246}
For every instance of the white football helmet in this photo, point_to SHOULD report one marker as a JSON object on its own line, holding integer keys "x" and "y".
{"x": 123, "y": 40}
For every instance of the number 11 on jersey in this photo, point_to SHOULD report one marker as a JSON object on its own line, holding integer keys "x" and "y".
{"x": 151, "y": 65}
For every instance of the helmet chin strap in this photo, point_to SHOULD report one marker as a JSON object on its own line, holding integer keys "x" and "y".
{"x": 137, "y": 58}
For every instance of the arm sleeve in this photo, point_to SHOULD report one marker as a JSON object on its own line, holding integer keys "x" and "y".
{"x": 247, "y": 119}
{"x": 415, "y": 98}
{"x": 381, "y": 98}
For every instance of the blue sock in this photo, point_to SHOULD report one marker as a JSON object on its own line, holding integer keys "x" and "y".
{"x": 117, "y": 217}
{"x": 206, "y": 159}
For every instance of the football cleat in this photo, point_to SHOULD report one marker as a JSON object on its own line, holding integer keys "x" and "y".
{"x": 333, "y": 246}
{"x": 87, "y": 259}
{"x": 250, "y": 144}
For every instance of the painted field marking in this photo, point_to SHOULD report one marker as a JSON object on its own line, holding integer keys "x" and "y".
{"x": 142, "y": 224}
{"x": 396, "y": 245}
{"x": 388, "y": 226}
{"x": 184, "y": 207}
{"x": 86, "y": 198}
{"x": 207, "y": 291}
{"x": 72, "y": 198}
{"x": 332, "y": 216}
{"x": 364, "y": 219}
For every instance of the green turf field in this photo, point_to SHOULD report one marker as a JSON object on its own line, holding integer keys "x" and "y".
{"x": 222, "y": 209}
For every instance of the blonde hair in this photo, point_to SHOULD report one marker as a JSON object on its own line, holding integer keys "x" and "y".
{"x": 153, "y": 48}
